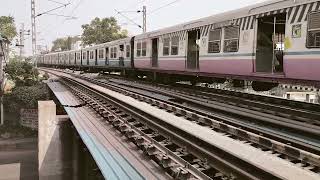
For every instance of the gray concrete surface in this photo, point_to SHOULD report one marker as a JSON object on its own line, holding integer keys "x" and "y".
{"x": 55, "y": 143}
{"x": 19, "y": 165}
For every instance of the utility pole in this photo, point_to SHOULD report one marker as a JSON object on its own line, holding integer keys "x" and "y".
{"x": 23, "y": 32}
{"x": 33, "y": 28}
{"x": 144, "y": 11}
{"x": 3, "y": 53}
{"x": 21, "y": 40}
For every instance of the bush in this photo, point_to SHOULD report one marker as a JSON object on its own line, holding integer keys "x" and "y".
{"x": 21, "y": 72}
{"x": 25, "y": 97}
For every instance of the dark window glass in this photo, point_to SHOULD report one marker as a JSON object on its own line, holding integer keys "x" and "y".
{"x": 214, "y": 41}
{"x": 175, "y": 45}
{"x": 231, "y": 39}
{"x": 166, "y": 46}
{"x": 313, "y": 34}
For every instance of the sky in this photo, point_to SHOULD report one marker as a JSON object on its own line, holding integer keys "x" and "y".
{"x": 159, "y": 14}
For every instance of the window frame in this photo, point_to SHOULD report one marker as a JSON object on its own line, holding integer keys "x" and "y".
{"x": 214, "y": 41}
{"x": 78, "y": 56}
{"x": 139, "y": 49}
{"x": 224, "y": 39}
{"x": 84, "y": 55}
{"x": 91, "y": 55}
{"x": 113, "y": 52}
{"x": 308, "y": 31}
{"x": 144, "y": 49}
{"x": 174, "y": 45}
{"x": 101, "y": 54}
{"x": 166, "y": 46}
{"x": 128, "y": 50}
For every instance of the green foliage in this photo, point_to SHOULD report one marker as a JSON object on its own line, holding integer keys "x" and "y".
{"x": 101, "y": 31}
{"x": 64, "y": 44}
{"x": 21, "y": 72}
{"x": 25, "y": 97}
{"x": 7, "y": 27}
{"x": 17, "y": 131}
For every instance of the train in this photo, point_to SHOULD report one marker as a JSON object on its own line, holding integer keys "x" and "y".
{"x": 276, "y": 41}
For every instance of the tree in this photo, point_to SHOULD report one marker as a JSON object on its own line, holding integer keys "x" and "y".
{"x": 101, "y": 31}
{"x": 7, "y": 27}
{"x": 22, "y": 72}
{"x": 64, "y": 44}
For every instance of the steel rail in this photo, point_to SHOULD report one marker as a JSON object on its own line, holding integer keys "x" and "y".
{"x": 215, "y": 157}
{"x": 220, "y": 124}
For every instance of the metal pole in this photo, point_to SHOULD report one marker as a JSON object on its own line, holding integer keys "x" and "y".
{"x": 33, "y": 27}
{"x": 144, "y": 19}
{"x": 22, "y": 40}
{"x": 273, "y": 42}
{"x": 2, "y": 51}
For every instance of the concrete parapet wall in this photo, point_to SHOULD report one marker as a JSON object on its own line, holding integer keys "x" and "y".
{"x": 54, "y": 144}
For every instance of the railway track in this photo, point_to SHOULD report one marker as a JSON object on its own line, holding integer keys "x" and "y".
{"x": 297, "y": 156}
{"x": 198, "y": 107}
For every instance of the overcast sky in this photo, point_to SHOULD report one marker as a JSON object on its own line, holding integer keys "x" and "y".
{"x": 50, "y": 27}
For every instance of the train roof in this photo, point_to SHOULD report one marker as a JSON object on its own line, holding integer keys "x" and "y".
{"x": 222, "y": 18}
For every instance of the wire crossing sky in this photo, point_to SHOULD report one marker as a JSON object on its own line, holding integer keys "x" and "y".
{"x": 160, "y": 14}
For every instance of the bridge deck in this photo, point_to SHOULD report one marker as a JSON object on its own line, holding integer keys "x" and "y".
{"x": 116, "y": 158}
{"x": 264, "y": 160}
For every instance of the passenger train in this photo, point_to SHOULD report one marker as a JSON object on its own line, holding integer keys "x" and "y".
{"x": 267, "y": 43}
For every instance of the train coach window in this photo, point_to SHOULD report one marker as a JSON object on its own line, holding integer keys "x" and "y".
{"x": 101, "y": 54}
{"x": 214, "y": 43}
{"x": 313, "y": 37}
{"x": 113, "y": 53}
{"x": 166, "y": 46}
{"x": 78, "y": 56}
{"x": 91, "y": 54}
{"x": 144, "y": 49}
{"x": 127, "y": 51}
{"x": 139, "y": 49}
{"x": 231, "y": 39}
{"x": 175, "y": 45}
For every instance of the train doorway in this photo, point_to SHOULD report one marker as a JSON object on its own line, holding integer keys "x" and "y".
{"x": 154, "y": 57}
{"x": 107, "y": 56}
{"x": 121, "y": 56}
{"x": 270, "y": 43}
{"x": 193, "y": 49}
{"x": 96, "y": 57}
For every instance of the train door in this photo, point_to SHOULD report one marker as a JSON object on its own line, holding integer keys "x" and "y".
{"x": 121, "y": 56}
{"x": 107, "y": 56}
{"x": 193, "y": 49}
{"x": 96, "y": 57}
{"x": 154, "y": 58}
{"x": 88, "y": 57}
{"x": 270, "y": 43}
{"x": 132, "y": 51}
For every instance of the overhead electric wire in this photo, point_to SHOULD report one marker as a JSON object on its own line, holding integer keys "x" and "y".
{"x": 161, "y": 7}
{"x": 46, "y": 12}
{"x": 57, "y": 2}
{"x": 61, "y": 15}
{"x": 132, "y": 21}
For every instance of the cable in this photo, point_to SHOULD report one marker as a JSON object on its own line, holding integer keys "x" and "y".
{"x": 161, "y": 7}
{"x": 77, "y": 5}
{"x": 46, "y": 12}
{"x": 57, "y": 2}
{"x": 61, "y": 15}
{"x": 157, "y": 9}
{"x": 128, "y": 19}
